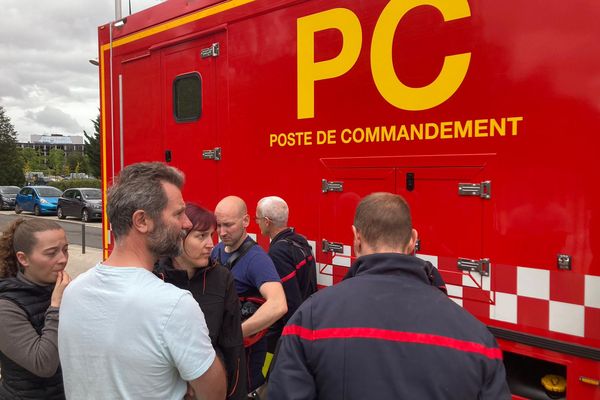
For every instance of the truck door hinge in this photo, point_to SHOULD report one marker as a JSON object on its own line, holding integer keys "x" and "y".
{"x": 212, "y": 51}
{"x": 327, "y": 186}
{"x": 333, "y": 247}
{"x": 481, "y": 266}
{"x": 483, "y": 189}
{"x": 214, "y": 154}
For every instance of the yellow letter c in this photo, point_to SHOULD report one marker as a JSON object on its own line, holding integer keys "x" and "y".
{"x": 395, "y": 92}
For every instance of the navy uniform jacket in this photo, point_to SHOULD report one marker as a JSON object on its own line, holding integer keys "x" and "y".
{"x": 386, "y": 333}
{"x": 295, "y": 264}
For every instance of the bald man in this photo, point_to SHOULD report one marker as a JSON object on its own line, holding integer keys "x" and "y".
{"x": 255, "y": 277}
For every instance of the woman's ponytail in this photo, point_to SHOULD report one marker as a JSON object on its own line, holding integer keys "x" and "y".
{"x": 9, "y": 265}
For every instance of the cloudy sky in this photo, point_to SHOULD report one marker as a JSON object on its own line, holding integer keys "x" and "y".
{"x": 47, "y": 84}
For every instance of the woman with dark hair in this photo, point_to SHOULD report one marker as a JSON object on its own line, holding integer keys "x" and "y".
{"x": 212, "y": 287}
{"x": 33, "y": 256}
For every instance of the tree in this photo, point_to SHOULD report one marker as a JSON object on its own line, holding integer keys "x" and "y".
{"x": 56, "y": 161}
{"x": 92, "y": 148}
{"x": 11, "y": 165}
{"x": 75, "y": 161}
{"x": 32, "y": 159}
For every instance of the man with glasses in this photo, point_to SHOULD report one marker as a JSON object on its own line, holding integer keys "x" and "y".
{"x": 256, "y": 281}
{"x": 292, "y": 256}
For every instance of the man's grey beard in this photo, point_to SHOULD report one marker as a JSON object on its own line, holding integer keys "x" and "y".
{"x": 162, "y": 243}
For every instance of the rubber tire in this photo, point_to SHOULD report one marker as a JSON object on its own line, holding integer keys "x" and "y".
{"x": 85, "y": 215}
{"x": 60, "y": 214}
{"x": 36, "y": 211}
{"x": 18, "y": 209}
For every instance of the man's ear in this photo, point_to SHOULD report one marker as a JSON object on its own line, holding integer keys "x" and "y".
{"x": 23, "y": 259}
{"x": 141, "y": 222}
{"x": 246, "y": 221}
{"x": 357, "y": 241}
{"x": 414, "y": 235}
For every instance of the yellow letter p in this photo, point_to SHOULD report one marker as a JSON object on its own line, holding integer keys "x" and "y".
{"x": 310, "y": 71}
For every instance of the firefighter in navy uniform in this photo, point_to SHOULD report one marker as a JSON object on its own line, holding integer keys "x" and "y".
{"x": 292, "y": 256}
{"x": 386, "y": 331}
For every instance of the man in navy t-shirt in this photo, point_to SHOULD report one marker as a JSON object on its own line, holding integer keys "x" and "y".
{"x": 255, "y": 277}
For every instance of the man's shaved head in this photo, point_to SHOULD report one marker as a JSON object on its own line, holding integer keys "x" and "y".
{"x": 232, "y": 206}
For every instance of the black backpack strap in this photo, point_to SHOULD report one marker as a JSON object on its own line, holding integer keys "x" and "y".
{"x": 239, "y": 253}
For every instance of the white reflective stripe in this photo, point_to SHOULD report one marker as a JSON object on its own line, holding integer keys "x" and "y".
{"x": 341, "y": 261}
{"x": 454, "y": 290}
{"x": 533, "y": 283}
{"x": 324, "y": 274}
{"x": 505, "y": 308}
{"x": 427, "y": 257}
{"x": 592, "y": 291}
{"x": 567, "y": 318}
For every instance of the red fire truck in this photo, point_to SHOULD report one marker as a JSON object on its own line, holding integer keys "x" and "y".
{"x": 482, "y": 114}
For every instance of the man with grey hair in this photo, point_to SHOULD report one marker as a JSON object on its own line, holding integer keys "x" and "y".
{"x": 292, "y": 256}
{"x": 386, "y": 331}
{"x": 124, "y": 333}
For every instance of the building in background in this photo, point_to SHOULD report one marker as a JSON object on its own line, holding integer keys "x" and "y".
{"x": 45, "y": 143}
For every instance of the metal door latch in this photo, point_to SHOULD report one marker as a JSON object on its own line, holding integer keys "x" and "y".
{"x": 483, "y": 189}
{"x": 212, "y": 51}
{"x": 332, "y": 247}
{"x": 327, "y": 186}
{"x": 563, "y": 261}
{"x": 214, "y": 154}
{"x": 481, "y": 266}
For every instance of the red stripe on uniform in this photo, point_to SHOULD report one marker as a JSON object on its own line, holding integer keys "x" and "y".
{"x": 392, "y": 336}
{"x": 288, "y": 277}
{"x": 293, "y": 273}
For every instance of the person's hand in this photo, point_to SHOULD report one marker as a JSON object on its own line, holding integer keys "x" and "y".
{"x": 62, "y": 280}
{"x": 190, "y": 394}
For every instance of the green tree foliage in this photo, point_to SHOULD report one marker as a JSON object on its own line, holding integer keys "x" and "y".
{"x": 92, "y": 148}
{"x": 56, "y": 161}
{"x": 32, "y": 159}
{"x": 11, "y": 164}
{"x": 76, "y": 162}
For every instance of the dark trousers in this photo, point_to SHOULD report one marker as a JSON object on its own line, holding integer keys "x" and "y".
{"x": 255, "y": 358}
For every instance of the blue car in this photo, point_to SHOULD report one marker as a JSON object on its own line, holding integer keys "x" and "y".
{"x": 37, "y": 199}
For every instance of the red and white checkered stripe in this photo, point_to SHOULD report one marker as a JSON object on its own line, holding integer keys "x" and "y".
{"x": 557, "y": 301}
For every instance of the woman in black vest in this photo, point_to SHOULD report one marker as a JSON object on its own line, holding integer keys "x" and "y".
{"x": 212, "y": 287}
{"x": 33, "y": 256}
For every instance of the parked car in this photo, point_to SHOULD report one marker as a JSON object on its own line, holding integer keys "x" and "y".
{"x": 37, "y": 199}
{"x": 7, "y": 197}
{"x": 84, "y": 203}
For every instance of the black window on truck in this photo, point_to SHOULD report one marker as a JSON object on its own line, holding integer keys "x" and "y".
{"x": 187, "y": 97}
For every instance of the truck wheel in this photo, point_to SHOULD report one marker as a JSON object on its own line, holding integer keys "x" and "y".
{"x": 36, "y": 211}
{"x": 60, "y": 214}
{"x": 85, "y": 215}
{"x": 18, "y": 209}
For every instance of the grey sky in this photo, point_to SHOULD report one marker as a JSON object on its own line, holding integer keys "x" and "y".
{"x": 47, "y": 84}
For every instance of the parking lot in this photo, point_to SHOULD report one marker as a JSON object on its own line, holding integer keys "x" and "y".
{"x": 75, "y": 229}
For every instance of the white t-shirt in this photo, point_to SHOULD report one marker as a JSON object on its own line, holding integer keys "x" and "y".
{"x": 125, "y": 334}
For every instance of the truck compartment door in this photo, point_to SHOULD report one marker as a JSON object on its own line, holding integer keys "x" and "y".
{"x": 189, "y": 86}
